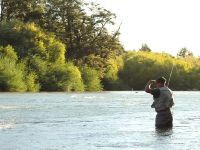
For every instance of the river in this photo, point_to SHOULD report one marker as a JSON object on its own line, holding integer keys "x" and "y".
{"x": 95, "y": 121}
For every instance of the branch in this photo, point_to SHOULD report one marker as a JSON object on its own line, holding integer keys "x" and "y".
{"x": 117, "y": 32}
{"x": 102, "y": 27}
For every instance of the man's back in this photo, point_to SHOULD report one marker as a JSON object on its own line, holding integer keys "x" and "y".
{"x": 164, "y": 100}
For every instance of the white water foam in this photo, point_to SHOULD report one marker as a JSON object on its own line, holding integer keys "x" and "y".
{"x": 6, "y": 125}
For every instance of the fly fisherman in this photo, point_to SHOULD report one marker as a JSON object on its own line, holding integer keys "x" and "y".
{"x": 163, "y": 101}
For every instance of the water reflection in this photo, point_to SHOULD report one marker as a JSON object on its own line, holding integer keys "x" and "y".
{"x": 163, "y": 140}
{"x": 164, "y": 132}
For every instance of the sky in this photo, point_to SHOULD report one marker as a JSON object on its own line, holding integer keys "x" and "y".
{"x": 164, "y": 25}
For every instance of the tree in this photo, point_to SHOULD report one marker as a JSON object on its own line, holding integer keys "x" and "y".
{"x": 32, "y": 82}
{"x": 23, "y": 10}
{"x": 11, "y": 76}
{"x": 111, "y": 79}
{"x": 91, "y": 79}
{"x": 8, "y": 52}
{"x": 29, "y": 40}
{"x": 184, "y": 52}
{"x": 139, "y": 67}
{"x": 145, "y": 48}
{"x": 1, "y": 9}
{"x": 14, "y": 76}
{"x": 63, "y": 77}
{"x": 95, "y": 62}
{"x": 82, "y": 27}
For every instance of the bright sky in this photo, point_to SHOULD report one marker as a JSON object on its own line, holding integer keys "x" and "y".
{"x": 164, "y": 25}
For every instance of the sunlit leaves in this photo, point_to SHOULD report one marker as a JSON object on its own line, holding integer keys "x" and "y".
{"x": 139, "y": 67}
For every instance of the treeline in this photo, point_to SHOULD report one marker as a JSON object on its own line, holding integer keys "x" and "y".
{"x": 57, "y": 45}
{"x": 139, "y": 67}
{"x": 64, "y": 45}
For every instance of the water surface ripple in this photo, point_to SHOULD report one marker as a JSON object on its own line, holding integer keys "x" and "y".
{"x": 95, "y": 121}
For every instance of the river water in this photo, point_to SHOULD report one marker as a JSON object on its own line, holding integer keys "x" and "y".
{"x": 95, "y": 121}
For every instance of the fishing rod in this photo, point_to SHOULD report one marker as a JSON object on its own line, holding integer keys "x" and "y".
{"x": 170, "y": 75}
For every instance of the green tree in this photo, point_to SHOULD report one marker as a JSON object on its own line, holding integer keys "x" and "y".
{"x": 145, "y": 48}
{"x": 91, "y": 79}
{"x": 63, "y": 77}
{"x": 29, "y": 40}
{"x": 8, "y": 52}
{"x": 139, "y": 67}
{"x": 11, "y": 76}
{"x": 95, "y": 62}
{"x": 23, "y": 10}
{"x": 111, "y": 79}
{"x": 32, "y": 82}
{"x": 14, "y": 75}
{"x": 82, "y": 27}
{"x": 184, "y": 52}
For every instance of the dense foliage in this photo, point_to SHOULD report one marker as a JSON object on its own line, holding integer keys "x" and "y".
{"x": 64, "y": 45}
{"x": 139, "y": 67}
{"x": 91, "y": 79}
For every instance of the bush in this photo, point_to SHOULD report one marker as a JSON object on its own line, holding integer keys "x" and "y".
{"x": 11, "y": 76}
{"x": 91, "y": 79}
{"x": 63, "y": 77}
{"x": 8, "y": 52}
{"x": 31, "y": 82}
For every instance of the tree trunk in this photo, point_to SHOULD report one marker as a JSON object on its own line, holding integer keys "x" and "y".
{"x": 1, "y": 10}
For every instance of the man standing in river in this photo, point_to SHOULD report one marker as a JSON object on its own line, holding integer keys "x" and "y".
{"x": 163, "y": 101}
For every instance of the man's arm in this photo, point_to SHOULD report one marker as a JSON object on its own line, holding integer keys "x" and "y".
{"x": 148, "y": 88}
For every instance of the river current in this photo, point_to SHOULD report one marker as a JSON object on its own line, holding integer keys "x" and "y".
{"x": 95, "y": 121}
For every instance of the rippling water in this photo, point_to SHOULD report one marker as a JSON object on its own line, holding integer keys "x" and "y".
{"x": 95, "y": 121}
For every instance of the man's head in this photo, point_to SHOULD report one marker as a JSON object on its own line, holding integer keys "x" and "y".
{"x": 160, "y": 82}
